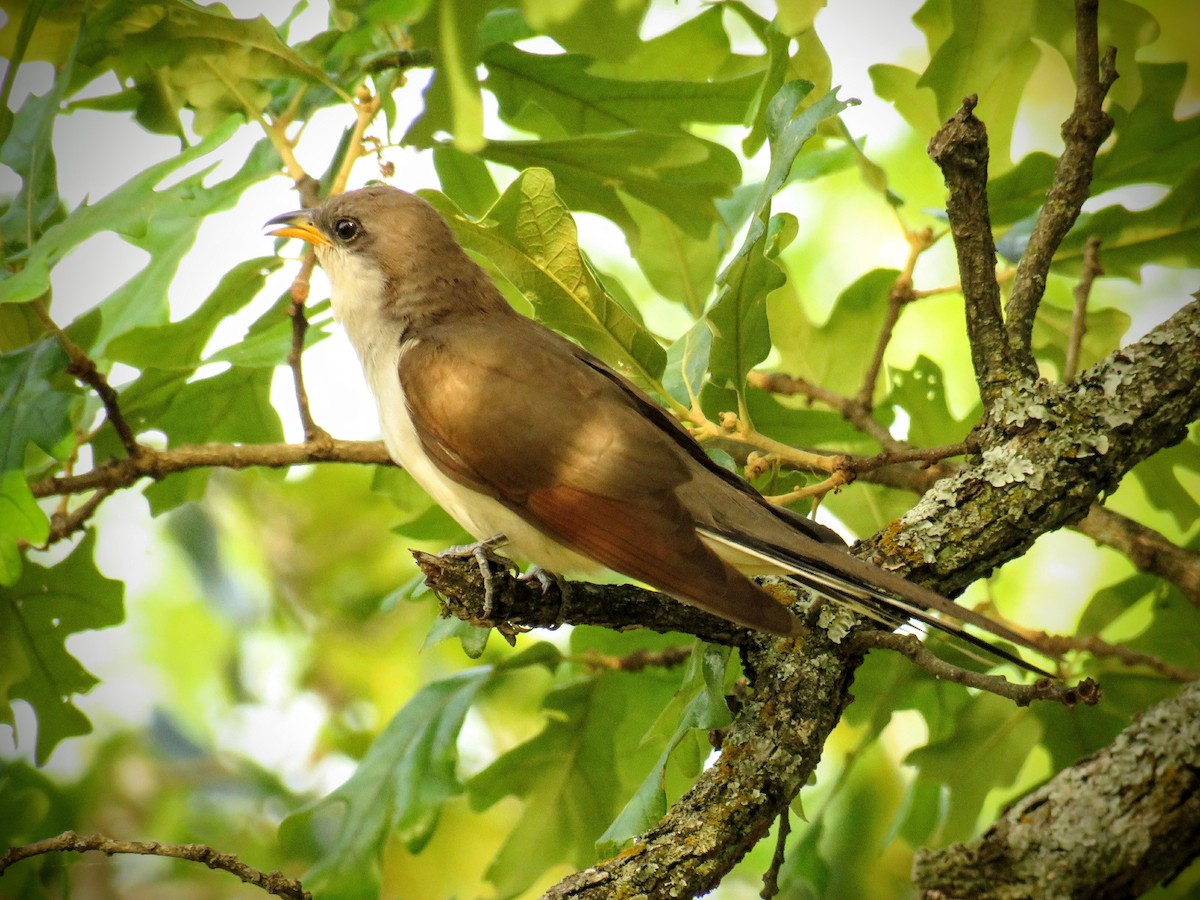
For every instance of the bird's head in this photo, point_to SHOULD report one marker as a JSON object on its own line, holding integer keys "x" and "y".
{"x": 382, "y": 246}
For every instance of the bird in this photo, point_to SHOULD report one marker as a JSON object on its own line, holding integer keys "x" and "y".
{"x": 534, "y": 444}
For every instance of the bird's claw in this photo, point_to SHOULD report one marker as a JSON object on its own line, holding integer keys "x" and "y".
{"x": 546, "y": 580}
{"x": 485, "y": 555}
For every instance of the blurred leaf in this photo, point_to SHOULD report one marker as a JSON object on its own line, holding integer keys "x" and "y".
{"x": 679, "y": 174}
{"x": 1052, "y": 331}
{"x": 564, "y": 775}
{"x": 465, "y": 180}
{"x": 530, "y": 237}
{"x": 599, "y": 28}
{"x": 921, "y": 392}
{"x": 1150, "y": 146}
{"x": 913, "y": 100}
{"x": 399, "y": 787}
{"x": 1163, "y": 487}
{"x": 452, "y": 101}
{"x": 1166, "y": 234}
{"x": 819, "y": 354}
{"x": 696, "y": 50}
{"x": 677, "y": 265}
{"x": 32, "y": 806}
{"x": 531, "y": 86}
{"x": 268, "y": 341}
{"x": 988, "y": 50}
{"x": 36, "y": 397}
{"x": 698, "y": 704}
{"x": 178, "y": 345}
{"x": 39, "y": 612}
{"x": 738, "y": 317}
{"x": 687, "y": 364}
{"x": 178, "y": 54}
{"x": 985, "y": 749}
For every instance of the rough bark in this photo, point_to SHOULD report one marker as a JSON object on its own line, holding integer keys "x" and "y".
{"x": 1114, "y": 825}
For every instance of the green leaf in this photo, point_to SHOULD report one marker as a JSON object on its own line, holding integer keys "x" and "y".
{"x": 564, "y": 775}
{"x": 532, "y": 86}
{"x": 179, "y": 54}
{"x": 179, "y": 345}
{"x": 269, "y": 341}
{"x": 988, "y": 51}
{"x": 817, "y": 353}
{"x": 129, "y": 211}
{"x": 398, "y": 788}
{"x": 677, "y": 265}
{"x": 1158, "y": 478}
{"x": 1167, "y": 234}
{"x": 921, "y": 393}
{"x": 1149, "y": 146}
{"x": 696, "y": 50}
{"x": 36, "y": 397}
{"x": 986, "y": 747}
{"x": 687, "y": 364}
{"x": 452, "y": 100}
{"x": 37, "y": 615}
{"x": 28, "y": 150}
{"x": 598, "y": 28}
{"x": 531, "y": 239}
{"x": 679, "y": 174}
{"x": 698, "y": 704}
{"x": 738, "y": 318}
{"x": 1052, "y": 330}
{"x": 465, "y": 179}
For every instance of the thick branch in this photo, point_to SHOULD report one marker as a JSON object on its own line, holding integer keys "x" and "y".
{"x": 960, "y": 149}
{"x": 1114, "y": 825}
{"x": 1083, "y": 132}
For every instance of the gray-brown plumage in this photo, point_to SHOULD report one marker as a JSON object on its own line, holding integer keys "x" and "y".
{"x": 515, "y": 430}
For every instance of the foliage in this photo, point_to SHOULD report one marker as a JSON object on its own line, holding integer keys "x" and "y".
{"x": 274, "y": 629}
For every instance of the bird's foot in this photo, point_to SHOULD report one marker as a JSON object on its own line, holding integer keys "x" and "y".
{"x": 485, "y": 556}
{"x": 546, "y": 580}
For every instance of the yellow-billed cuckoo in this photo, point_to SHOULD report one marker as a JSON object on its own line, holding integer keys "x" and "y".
{"x": 518, "y": 432}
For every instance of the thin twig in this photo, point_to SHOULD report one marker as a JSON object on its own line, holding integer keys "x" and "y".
{"x": 899, "y": 297}
{"x": 637, "y": 660}
{"x": 1083, "y": 132}
{"x": 1083, "y": 290}
{"x": 1098, "y": 647}
{"x": 788, "y": 385}
{"x": 1086, "y": 691}
{"x": 771, "y": 876}
{"x": 157, "y": 464}
{"x": 63, "y": 523}
{"x": 69, "y": 842}
{"x": 82, "y": 367}
{"x": 313, "y": 433}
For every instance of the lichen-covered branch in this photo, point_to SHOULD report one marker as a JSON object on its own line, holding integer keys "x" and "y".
{"x": 1114, "y": 825}
{"x": 1056, "y": 449}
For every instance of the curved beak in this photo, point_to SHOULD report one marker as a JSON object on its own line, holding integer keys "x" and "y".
{"x": 298, "y": 224}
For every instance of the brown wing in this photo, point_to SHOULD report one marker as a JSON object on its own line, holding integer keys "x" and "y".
{"x": 509, "y": 409}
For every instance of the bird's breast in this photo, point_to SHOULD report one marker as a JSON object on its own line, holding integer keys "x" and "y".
{"x": 480, "y": 514}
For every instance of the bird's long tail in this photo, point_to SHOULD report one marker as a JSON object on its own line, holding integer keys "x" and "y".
{"x": 879, "y": 594}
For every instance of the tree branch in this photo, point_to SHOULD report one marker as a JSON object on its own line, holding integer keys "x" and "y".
{"x": 1083, "y": 290}
{"x": 69, "y": 842}
{"x": 960, "y": 149}
{"x": 1113, "y": 826}
{"x": 1083, "y": 132}
{"x": 1146, "y": 548}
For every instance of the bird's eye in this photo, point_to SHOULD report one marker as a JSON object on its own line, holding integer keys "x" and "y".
{"x": 345, "y": 229}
